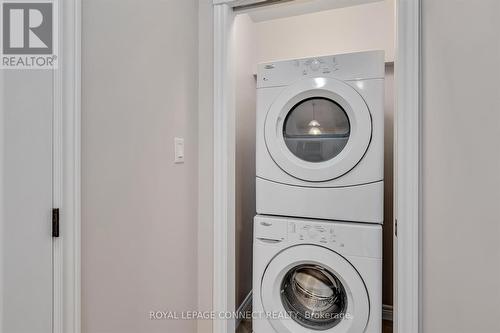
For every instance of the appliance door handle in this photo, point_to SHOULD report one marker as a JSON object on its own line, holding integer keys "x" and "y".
{"x": 269, "y": 240}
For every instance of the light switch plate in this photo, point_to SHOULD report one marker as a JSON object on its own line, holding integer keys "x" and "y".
{"x": 179, "y": 150}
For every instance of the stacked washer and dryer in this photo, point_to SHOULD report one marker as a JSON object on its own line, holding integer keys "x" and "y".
{"x": 319, "y": 186}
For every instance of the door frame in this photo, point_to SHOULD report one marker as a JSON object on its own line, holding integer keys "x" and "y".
{"x": 407, "y": 204}
{"x": 66, "y": 170}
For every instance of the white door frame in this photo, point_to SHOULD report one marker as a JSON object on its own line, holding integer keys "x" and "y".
{"x": 66, "y": 170}
{"x": 407, "y": 162}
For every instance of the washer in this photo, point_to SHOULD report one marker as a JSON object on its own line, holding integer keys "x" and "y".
{"x": 320, "y": 137}
{"x": 311, "y": 276}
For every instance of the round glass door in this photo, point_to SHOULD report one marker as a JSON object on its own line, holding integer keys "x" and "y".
{"x": 317, "y": 289}
{"x": 315, "y": 296}
{"x": 316, "y": 129}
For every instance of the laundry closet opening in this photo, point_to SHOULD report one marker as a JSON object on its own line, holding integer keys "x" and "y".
{"x": 275, "y": 33}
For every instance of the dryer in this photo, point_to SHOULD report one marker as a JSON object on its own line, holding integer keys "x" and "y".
{"x": 313, "y": 276}
{"x": 320, "y": 137}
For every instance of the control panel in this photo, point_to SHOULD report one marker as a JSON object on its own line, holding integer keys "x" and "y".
{"x": 314, "y": 233}
{"x": 352, "y": 66}
{"x": 298, "y": 68}
{"x": 359, "y": 239}
{"x": 325, "y": 65}
{"x": 316, "y": 66}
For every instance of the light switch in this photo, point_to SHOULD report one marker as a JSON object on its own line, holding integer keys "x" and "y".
{"x": 179, "y": 150}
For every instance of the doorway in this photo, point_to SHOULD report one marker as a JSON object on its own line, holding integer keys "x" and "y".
{"x": 226, "y": 23}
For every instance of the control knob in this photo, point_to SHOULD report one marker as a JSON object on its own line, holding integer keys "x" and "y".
{"x": 315, "y": 65}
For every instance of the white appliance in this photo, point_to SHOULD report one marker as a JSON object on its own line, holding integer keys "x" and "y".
{"x": 320, "y": 137}
{"x": 328, "y": 276}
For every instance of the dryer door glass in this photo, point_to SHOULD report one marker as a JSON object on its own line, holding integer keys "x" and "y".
{"x": 316, "y": 129}
{"x": 314, "y": 297}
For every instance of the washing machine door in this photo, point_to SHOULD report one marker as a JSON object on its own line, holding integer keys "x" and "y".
{"x": 308, "y": 288}
{"x": 318, "y": 129}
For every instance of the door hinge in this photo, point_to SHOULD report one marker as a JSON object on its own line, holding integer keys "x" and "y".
{"x": 55, "y": 222}
{"x": 396, "y": 227}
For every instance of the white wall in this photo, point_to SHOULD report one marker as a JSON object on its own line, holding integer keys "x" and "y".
{"x": 388, "y": 232}
{"x": 461, "y": 163}
{"x": 350, "y": 29}
{"x": 244, "y": 53}
{"x": 139, "y": 209}
{"x": 205, "y": 162}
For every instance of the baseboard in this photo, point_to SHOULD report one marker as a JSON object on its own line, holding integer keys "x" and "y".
{"x": 244, "y": 306}
{"x": 387, "y": 312}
